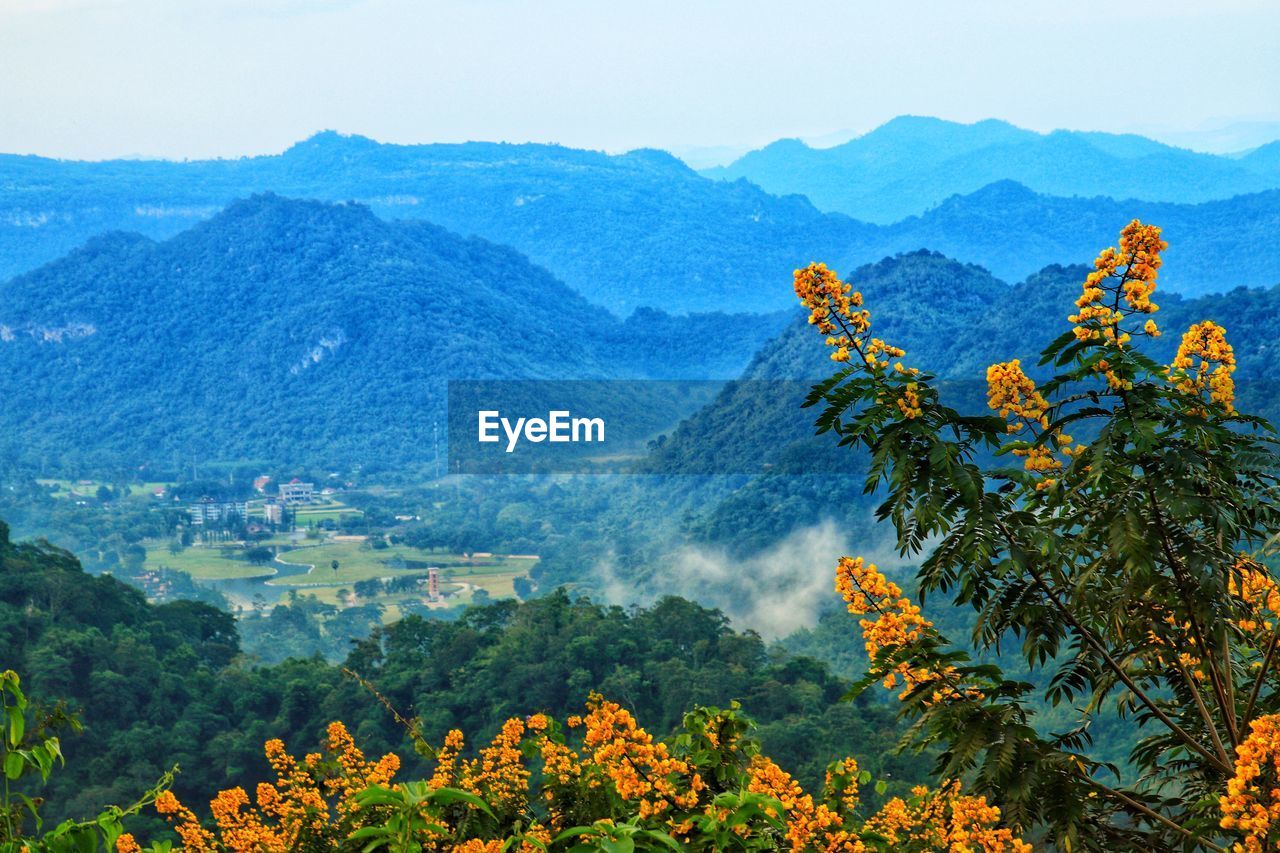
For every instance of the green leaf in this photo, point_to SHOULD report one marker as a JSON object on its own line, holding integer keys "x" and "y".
{"x": 17, "y": 725}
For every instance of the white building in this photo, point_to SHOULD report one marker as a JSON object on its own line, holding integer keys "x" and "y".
{"x": 209, "y": 511}
{"x": 297, "y": 492}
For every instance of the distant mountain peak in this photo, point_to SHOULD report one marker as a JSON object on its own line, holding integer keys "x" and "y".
{"x": 657, "y": 157}
{"x": 267, "y": 212}
{"x": 1005, "y": 188}
{"x": 913, "y": 128}
{"x": 333, "y": 141}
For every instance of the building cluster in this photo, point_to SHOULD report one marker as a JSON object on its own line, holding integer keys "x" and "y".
{"x": 154, "y": 584}
{"x": 208, "y": 511}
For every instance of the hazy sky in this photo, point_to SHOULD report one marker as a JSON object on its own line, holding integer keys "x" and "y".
{"x": 200, "y": 78}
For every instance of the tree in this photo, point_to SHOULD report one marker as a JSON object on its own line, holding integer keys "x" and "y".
{"x": 333, "y": 564}
{"x": 1123, "y": 563}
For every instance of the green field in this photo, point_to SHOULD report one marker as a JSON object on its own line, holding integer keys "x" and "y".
{"x": 204, "y": 563}
{"x": 357, "y": 562}
{"x": 460, "y": 577}
{"x": 88, "y": 490}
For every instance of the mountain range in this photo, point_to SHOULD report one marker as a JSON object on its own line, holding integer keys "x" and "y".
{"x": 305, "y": 331}
{"x": 639, "y": 229}
{"x": 643, "y": 230}
{"x": 912, "y": 163}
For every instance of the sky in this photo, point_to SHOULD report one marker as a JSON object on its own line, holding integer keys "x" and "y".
{"x": 94, "y": 79}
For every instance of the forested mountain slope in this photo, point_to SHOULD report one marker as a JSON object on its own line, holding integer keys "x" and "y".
{"x": 288, "y": 330}
{"x": 953, "y": 320}
{"x": 1015, "y": 232}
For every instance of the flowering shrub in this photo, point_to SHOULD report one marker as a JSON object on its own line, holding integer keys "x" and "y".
{"x": 1127, "y": 565}
{"x": 602, "y": 782}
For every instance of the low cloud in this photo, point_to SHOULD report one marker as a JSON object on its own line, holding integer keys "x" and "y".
{"x": 775, "y": 591}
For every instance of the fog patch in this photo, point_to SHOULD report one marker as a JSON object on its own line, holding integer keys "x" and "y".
{"x": 774, "y": 592}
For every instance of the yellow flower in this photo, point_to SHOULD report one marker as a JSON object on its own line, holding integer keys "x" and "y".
{"x": 1206, "y": 341}
{"x": 897, "y": 622}
{"x": 1121, "y": 277}
{"x": 836, "y": 309}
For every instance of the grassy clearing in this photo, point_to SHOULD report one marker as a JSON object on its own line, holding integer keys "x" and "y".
{"x": 88, "y": 490}
{"x": 203, "y": 563}
{"x": 497, "y": 584}
{"x": 357, "y": 561}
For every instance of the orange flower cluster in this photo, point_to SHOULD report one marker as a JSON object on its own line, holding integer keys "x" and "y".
{"x": 641, "y": 769}
{"x": 841, "y": 785}
{"x": 295, "y": 808}
{"x": 1170, "y": 643}
{"x": 195, "y": 838}
{"x": 1207, "y": 342}
{"x": 1120, "y": 287}
{"x": 836, "y": 309}
{"x": 499, "y": 773}
{"x": 357, "y": 774}
{"x": 898, "y": 622}
{"x": 945, "y": 820}
{"x": 446, "y": 773}
{"x": 1251, "y": 804}
{"x": 623, "y": 774}
{"x": 909, "y": 401}
{"x": 824, "y": 294}
{"x": 810, "y": 826}
{"x": 1014, "y": 395}
{"x": 1257, "y": 592}
{"x": 1121, "y": 276}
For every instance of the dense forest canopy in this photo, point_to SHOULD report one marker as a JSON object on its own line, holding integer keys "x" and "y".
{"x": 158, "y": 685}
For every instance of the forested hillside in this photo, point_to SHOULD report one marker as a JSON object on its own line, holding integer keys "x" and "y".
{"x": 746, "y": 472}
{"x": 953, "y": 320}
{"x": 302, "y": 332}
{"x": 911, "y": 163}
{"x": 162, "y": 684}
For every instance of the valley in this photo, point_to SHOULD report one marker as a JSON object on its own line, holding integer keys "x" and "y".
{"x": 231, "y": 391}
